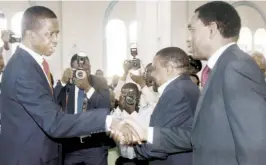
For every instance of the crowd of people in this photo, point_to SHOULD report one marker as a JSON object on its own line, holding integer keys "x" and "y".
{"x": 165, "y": 115}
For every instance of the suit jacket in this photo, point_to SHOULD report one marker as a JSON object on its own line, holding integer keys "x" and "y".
{"x": 175, "y": 108}
{"x": 94, "y": 149}
{"x": 229, "y": 123}
{"x": 31, "y": 118}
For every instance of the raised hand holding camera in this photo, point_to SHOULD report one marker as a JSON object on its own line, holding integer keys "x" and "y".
{"x": 83, "y": 83}
{"x": 67, "y": 76}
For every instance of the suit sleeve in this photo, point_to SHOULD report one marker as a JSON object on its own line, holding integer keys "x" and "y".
{"x": 101, "y": 96}
{"x": 39, "y": 104}
{"x": 59, "y": 93}
{"x": 244, "y": 98}
{"x": 178, "y": 117}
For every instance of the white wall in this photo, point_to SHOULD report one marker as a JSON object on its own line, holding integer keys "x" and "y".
{"x": 82, "y": 25}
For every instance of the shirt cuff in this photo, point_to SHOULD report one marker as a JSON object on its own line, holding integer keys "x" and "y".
{"x": 150, "y": 135}
{"x": 90, "y": 93}
{"x": 108, "y": 123}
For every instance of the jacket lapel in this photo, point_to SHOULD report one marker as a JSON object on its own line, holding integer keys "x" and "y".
{"x": 210, "y": 81}
{"x": 36, "y": 66}
{"x": 169, "y": 86}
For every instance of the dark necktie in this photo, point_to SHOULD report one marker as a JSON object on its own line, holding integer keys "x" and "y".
{"x": 205, "y": 75}
{"x": 47, "y": 72}
{"x": 80, "y": 100}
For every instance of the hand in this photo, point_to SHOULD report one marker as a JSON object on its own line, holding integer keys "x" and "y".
{"x": 67, "y": 76}
{"x": 138, "y": 79}
{"x": 83, "y": 83}
{"x": 124, "y": 133}
{"x": 6, "y": 35}
{"x": 140, "y": 130}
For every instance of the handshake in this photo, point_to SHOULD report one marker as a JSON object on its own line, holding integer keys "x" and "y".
{"x": 128, "y": 131}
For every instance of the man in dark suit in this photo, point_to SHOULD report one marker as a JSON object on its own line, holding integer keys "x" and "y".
{"x": 177, "y": 103}
{"x": 89, "y": 150}
{"x": 229, "y": 122}
{"x": 30, "y": 117}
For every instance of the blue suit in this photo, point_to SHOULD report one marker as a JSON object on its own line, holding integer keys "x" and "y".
{"x": 94, "y": 149}
{"x": 31, "y": 120}
{"x": 175, "y": 108}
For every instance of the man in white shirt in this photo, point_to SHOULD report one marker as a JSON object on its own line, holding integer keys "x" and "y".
{"x": 128, "y": 107}
{"x": 149, "y": 95}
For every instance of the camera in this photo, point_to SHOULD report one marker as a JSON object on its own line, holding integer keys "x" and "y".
{"x": 195, "y": 65}
{"x": 135, "y": 62}
{"x": 14, "y": 39}
{"x": 79, "y": 73}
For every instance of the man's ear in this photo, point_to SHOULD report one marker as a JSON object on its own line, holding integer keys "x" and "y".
{"x": 169, "y": 69}
{"x": 213, "y": 29}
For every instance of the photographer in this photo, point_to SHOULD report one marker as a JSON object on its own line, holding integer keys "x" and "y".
{"x": 128, "y": 106}
{"x": 80, "y": 91}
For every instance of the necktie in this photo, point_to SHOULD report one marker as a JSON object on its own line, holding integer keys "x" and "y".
{"x": 205, "y": 75}
{"x": 47, "y": 72}
{"x": 80, "y": 100}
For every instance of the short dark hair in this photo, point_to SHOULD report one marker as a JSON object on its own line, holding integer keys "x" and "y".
{"x": 195, "y": 65}
{"x": 223, "y": 14}
{"x": 31, "y": 17}
{"x": 174, "y": 55}
{"x": 131, "y": 86}
{"x": 75, "y": 58}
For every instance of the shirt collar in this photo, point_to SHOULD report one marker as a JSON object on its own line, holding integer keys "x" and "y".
{"x": 162, "y": 87}
{"x": 213, "y": 59}
{"x": 35, "y": 55}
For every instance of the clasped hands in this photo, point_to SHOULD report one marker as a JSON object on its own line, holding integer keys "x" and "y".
{"x": 128, "y": 131}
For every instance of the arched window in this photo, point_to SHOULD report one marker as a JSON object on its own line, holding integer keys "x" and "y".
{"x": 133, "y": 32}
{"x": 116, "y": 48}
{"x": 16, "y": 27}
{"x": 260, "y": 41}
{"x": 245, "y": 39}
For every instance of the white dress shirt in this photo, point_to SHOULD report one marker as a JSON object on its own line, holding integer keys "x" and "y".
{"x": 143, "y": 118}
{"x": 213, "y": 59}
{"x": 148, "y": 96}
{"x": 88, "y": 94}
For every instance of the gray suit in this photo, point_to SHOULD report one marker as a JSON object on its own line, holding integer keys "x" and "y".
{"x": 230, "y": 119}
{"x": 175, "y": 108}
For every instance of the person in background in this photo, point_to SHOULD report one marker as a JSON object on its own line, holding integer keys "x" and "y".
{"x": 99, "y": 72}
{"x": 195, "y": 65}
{"x": 145, "y": 82}
{"x": 114, "y": 82}
{"x": 89, "y": 150}
{"x": 128, "y": 106}
{"x": 260, "y": 60}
